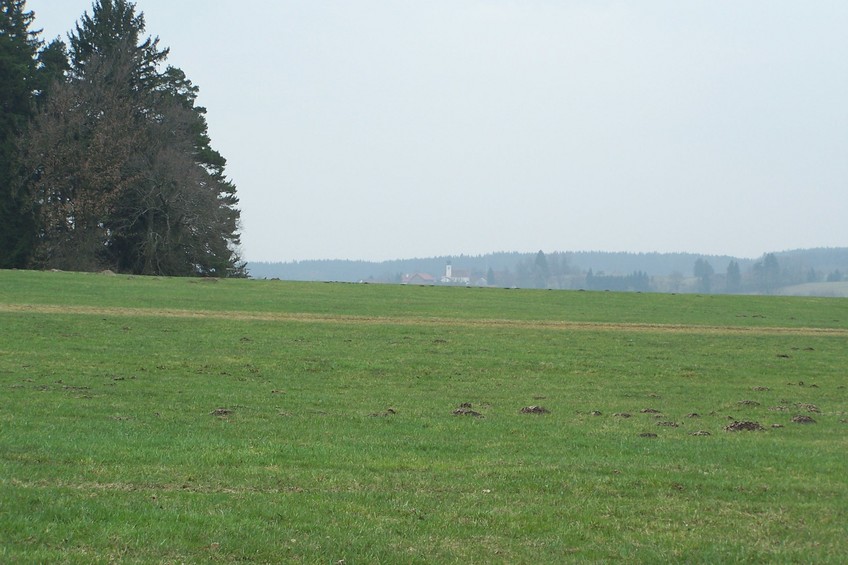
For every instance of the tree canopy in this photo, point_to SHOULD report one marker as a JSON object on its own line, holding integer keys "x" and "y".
{"x": 115, "y": 168}
{"x": 18, "y": 71}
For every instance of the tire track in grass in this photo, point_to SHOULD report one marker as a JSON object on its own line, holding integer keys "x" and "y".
{"x": 304, "y": 317}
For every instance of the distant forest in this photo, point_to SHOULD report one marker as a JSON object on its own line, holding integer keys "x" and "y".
{"x": 821, "y": 271}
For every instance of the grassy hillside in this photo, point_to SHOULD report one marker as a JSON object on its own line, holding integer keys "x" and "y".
{"x": 177, "y": 420}
{"x": 828, "y": 289}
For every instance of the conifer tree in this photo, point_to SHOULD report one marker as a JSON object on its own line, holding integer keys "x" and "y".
{"x": 733, "y": 277}
{"x": 18, "y": 50}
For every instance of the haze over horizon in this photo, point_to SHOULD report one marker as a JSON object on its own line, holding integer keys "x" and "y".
{"x": 382, "y": 130}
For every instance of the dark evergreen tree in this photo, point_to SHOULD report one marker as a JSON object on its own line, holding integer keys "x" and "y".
{"x": 18, "y": 75}
{"x": 113, "y": 26}
{"x": 53, "y": 66}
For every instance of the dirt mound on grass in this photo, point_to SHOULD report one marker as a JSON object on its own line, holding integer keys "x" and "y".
{"x": 465, "y": 410}
{"x": 221, "y": 412}
{"x": 803, "y": 420}
{"x": 389, "y": 412}
{"x": 748, "y": 403}
{"x": 534, "y": 410}
{"x": 808, "y": 407}
{"x": 743, "y": 426}
{"x": 700, "y": 433}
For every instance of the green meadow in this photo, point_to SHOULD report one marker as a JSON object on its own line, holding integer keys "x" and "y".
{"x": 157, "y": 420}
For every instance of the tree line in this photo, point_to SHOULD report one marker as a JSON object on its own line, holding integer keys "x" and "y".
{"x": 105, "y": 157}
{"x": 595, "y": 270}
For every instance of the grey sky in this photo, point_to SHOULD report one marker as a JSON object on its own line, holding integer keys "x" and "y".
{"x": 396, "y": 129}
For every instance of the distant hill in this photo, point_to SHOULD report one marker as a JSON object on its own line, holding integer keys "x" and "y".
{"x": 581, "y": 269}
{"x": 829, "y": 289}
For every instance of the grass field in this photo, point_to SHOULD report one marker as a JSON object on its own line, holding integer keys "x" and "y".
{"x": 182, "y": 420}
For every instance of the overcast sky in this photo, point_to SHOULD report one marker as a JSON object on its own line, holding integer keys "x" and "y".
{"x": 364, "y": 129}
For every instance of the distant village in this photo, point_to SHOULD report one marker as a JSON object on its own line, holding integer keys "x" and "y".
{"x": 811, "y": 272}
{"x": 449, "y": 277}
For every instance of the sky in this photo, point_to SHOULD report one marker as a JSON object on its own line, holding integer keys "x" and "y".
{"x": 377, "y": 130}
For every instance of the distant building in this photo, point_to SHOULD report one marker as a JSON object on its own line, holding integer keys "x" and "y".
{"x": 419, "y": 278}
{"x": 455, "y": 277}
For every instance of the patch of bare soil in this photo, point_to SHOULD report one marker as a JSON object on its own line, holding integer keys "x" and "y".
{"x": 221, "y": 412}
{"x": 595, "y": 412}
{"x": 668, "y": 424}
{"x": 701, "y": 433}
{"x": 743, "y": 426}
{"x": 760, "y": 388}
{"x": 389, "y": 412}
{"x": 534, "y": 410}
{"x": 622, "y": 414}
{"x": 802, "y": 419}
{"x": 748, "y": 403}
{"x": 649, "y": 411}
{"x": 776, "y": 426}
{"x": 465, "y": 410}
{"x": 808, "y": 407}
{"x": 778, "y": 408}
{"x": 693, "y": 415}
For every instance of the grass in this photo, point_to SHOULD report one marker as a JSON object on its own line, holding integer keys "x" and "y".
{"x": 337, "y": 439}
{"x": 832, "y": 289}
